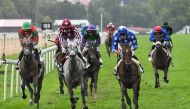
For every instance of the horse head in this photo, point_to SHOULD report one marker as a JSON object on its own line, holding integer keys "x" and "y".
{"x": 127, "y": 54}
{"x": 158, "y": 40}
{"x": 92, "y": 53}
{"x": 27, "y": 48}
{"x": 72, "y": 48}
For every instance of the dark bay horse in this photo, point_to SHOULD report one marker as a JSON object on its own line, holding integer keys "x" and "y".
{"x": 30, "y": 73}
{"x": 108, "y": 43}
{"x": 129, "y": 78}
{"x": 93, "y": 71}
{"x": 160, "y": 60}
{"x": 73, "y": 70}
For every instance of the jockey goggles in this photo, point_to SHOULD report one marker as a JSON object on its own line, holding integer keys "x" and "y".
{"x": 66, "y": 30}
{"x": 158, "y": 33}
{"x": 91, "y": 31}
{"x": 122, "y": 36}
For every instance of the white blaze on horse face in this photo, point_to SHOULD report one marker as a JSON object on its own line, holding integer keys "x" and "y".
{"x": 72, "y": 53}
{"x": 26, "y": 51}
{"x": 158, "y": 43}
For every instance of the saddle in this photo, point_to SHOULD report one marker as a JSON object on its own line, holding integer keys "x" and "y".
{"x": 166, "y": 50}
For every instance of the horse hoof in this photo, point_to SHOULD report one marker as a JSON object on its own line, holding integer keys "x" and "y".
{"x": 62, "y": 92}
{"x": 24, "y": 97}
{"x": 166, "y": 81}
{"x": 85, "y": 107}
{"x": 157, "y": 86}
{"x": 31, "y": 103}
{"x": 76, "y": 99}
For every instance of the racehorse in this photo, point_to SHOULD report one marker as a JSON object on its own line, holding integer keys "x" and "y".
{"x": 160, "y": 60}
{"x": 108, "y": 43}
{"x": 129, "y": 77}
{"x": 73, "y": 70}
{"x": 30, "y": 73}
{"x": 93, "y": 70}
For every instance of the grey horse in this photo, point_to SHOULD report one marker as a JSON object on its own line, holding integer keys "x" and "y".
{"x": 30, "y": 73}
{"x": 73, "y": 72}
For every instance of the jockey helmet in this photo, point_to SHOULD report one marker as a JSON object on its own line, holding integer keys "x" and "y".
{"x": 122, "y": 30}
{"x": 66, "y": 23}
{"x": 165, "y": 24}
{"x": 91, "y": 28}
{"x": 157, "y": 29}
{"x": 26, "y": 26}
{"x": 111, "y": 26}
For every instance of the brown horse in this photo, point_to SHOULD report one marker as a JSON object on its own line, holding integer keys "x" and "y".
{"x": 108, "y": 43}
{"x": 129, "y": 77}
{"x": 160, "y": 60}
{"x": 30, "y": 73}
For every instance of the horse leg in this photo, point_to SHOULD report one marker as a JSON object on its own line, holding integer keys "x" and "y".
{"x": 31, "y": 93}
{"x": 23, "y": 90}
{"x": 136, "y": 88}
{"x": 35, "y": 85}
{"x": 157, "y": 83}
{"x": 91, "y": 85}
{"x": 166, "y": 75}
{"x": 123, "y": 93}
{"x": 128, "y": 99}
{"x": 61, "y": 83}
{"x": 83, "y": 93}
{"x": 37, "y": 97}
{"x": 72, "y": 99}
{"x": 95, "y": 84}
{"x": 109, "y": 51}
{"x": 86, "y": 84}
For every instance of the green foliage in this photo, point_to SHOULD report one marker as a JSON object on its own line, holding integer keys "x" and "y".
{"x": 146, "y": 13}
{"x": 8, "y": 9}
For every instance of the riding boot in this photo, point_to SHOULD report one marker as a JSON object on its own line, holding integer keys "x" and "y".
{"x": 141, "y": 69}
{"x": 19, "y": 59}
{"x": 57, "y": 52}
{"x": 37, "y": 57}
{"x": 84, "y": 60}
{"x": 99, "y": 57}
{"x": 149, "y": 55}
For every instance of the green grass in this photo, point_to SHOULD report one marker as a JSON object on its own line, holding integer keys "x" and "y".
{"x": 174, "y": 95}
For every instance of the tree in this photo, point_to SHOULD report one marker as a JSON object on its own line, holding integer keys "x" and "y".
{"x": 8, "y": 9}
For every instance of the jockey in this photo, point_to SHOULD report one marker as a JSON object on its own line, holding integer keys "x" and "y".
{"x": 26, "y": 31}
{"x": 91, "y": 35}
{"x": 69, "y": 32}
{"x": 169, "y": 30}
{"x": 158, "y": 31}
{"x": 125, "y": 37}
{"x": 110, "y": 28}
{"x": 83, "y": 30}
